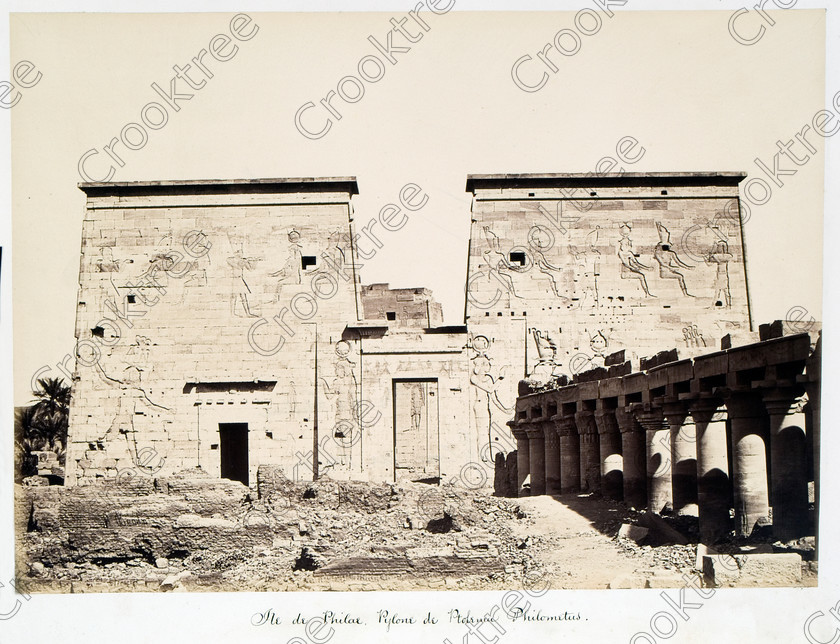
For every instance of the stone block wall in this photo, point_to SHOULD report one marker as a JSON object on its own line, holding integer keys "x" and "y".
{"x": 200, "y": 304}
{"x": 568, "y": 271}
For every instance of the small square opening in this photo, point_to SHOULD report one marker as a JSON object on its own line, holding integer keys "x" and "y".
{"x": 391, "y": 315}
{"x": 307, "y": 260}
{"x": 517, "y": 257}
{"x": 131, "y": 299}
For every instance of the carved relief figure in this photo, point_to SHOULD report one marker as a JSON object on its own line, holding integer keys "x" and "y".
{"x": 693, "y": 337}
{"x": 336, "y": 252}
{"x": 598, "y": 345}
{"x": 417, "y": 404}
{"x": 588, "y": 268}
{"x": 499, "y": 274}
{"x": 290, "y": 273}
{"x": 721, "y": 256}
{"x": 343, "y": 392}
{"x": 106, "y": 263}
{"x": 546, "y": 366}
{"x": 132, "y": 400}
{"x": 582, "y": 361}
{"x": 561, "y": 279}
{"x": 487, "y": 399}
{"x": 631, "y": 267}
{"x": 495, "y": 247}
{"x": 239, "y": 266}
{"x": 501, "y": 265}
{"x": 668, "y": 260}
{"x": 292, "y": 400}
{"x": 141, "y": 350}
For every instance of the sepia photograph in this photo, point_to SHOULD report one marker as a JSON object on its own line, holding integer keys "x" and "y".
{"x": 328, "y": 323}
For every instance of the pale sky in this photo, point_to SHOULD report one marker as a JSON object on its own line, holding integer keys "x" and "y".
{"x": 694, "y": 98}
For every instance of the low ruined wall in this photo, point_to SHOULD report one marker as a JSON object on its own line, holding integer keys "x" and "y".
{"x": 155, "y": 533}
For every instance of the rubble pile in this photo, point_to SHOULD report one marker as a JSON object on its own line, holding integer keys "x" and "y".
{"x": 192, "y": 532}
{"x": 189, "y": 531}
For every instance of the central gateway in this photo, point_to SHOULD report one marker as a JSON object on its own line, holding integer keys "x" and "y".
{"x": 416, "y": 430}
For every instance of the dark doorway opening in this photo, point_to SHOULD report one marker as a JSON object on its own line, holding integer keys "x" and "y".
{"x": 233, "y": 451}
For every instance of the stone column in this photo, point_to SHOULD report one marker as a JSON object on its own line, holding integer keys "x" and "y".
{"x": 749, "y": 463}
{"x": 658, "y": 452}
{"x": 713, "y": 484}
{"x": 567, "y": 436}
{"x": 552, "y": 458}
{"x": 523, "y": 458}
{"x": 590, "y": 453}
{"x": 536, "y": 443}
{"x": 788, "y": 462}
{"x": 633, "y": 458}
{"x": 609, "y": 439}
{"x": 683, "y": 456}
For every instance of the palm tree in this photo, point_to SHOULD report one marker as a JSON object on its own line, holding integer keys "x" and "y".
{"x": 53, "y": 395}
{"x": 42, "y": 426}
{"x": 26, "y": 440}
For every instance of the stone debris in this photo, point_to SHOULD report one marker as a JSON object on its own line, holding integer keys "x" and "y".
{"x": 348, "y": 536}
{"x": 661, "y": 533}
{"x": 633, "y": 532}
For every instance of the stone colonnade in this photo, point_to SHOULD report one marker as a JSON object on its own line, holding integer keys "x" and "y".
{"x": 733, "y": 433}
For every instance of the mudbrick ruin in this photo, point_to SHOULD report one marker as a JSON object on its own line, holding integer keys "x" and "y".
{"x": 246, "y": 414}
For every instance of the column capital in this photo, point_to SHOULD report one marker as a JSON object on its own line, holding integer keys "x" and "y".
{"x": 674, "y": 409}
{"x": 703, "y": 408}
{"x": 565, "y": 425}
{"x": 606, "y": 422}
{"x": 535, "y": 431}
{"x": 585, "y": 421}
{"x": 650, "y": 416}
{"x": 549, "y": 429}
{"x": 741, "y": 402}
{"x": 780, "y": 401}
{"x": 627, "y": 421}
{"x": 518, "y": 429}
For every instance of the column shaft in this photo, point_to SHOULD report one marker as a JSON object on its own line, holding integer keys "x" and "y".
{"x": 523, "y": 460}
{"x": 751, "y": 499}
{"x": 788, "y": 464}
{"x": 536, "y": 444}
{"x": 658, "y": 452}
{"x": 633, "y": 458}
{"x": 567, "y": 436}
{"x": 713, "y": 484}
{"x": 683, "y": 458}
{"x": 609, "y": 439}
{"x": 590, "y": 453}
{"x": 552, "y": 459}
